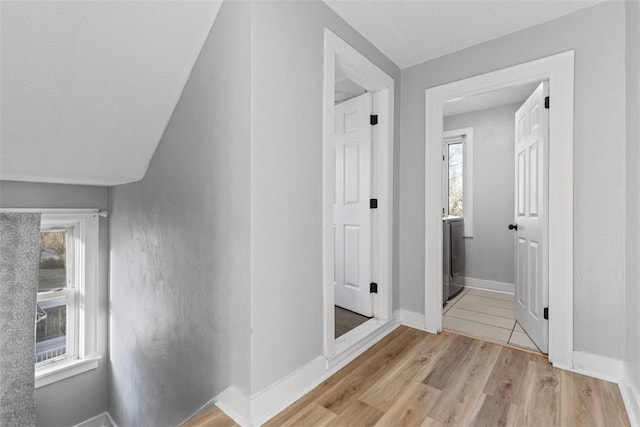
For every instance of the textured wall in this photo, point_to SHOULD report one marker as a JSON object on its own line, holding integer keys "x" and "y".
{"x": 287, "y": 181}
{"x": 597, "y": 34}
{"x": 490, "y": 253}
{"x": 632, "y": 276}
{"x": 180, "y": 246}
{"x": 83, "y": 396}
{"x": 239, "y": 167}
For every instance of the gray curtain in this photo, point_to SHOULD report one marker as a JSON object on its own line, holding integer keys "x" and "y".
{"x": 19, "y": 259}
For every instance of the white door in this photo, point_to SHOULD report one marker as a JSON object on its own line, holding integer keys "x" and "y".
{"x": 531, "y": 183}
{"x": 352, "y": 216}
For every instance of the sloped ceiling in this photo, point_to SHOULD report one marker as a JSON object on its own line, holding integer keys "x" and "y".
{"x": 88, "y": 87}
{"x": 411, "y": 32}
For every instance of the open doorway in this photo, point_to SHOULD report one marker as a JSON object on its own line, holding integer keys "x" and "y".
{"x": 489, "y": 165}
{"x": 558, "y": 71}
{"x": 357, "y": 200}
{"x": 352, "y": 214}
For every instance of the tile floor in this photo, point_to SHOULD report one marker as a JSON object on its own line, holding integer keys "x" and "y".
{"x": 486, "y": 314}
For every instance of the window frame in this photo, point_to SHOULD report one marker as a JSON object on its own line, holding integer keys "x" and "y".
{"x": 82, "y": 318}
{"x": 456, "y": 136}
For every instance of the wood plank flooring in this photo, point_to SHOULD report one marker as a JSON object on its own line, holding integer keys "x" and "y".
{"x": 346, "y": 320}
{"x": 412, "y": 378}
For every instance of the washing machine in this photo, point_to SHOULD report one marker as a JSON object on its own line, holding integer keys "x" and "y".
{"x": 453, "y": 257}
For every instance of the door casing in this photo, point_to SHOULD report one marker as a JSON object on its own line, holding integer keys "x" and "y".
{"x": 369, "y": 76}
{"x": 559, "y": 71}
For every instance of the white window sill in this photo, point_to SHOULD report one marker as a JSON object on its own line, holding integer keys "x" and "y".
{"x": 49, "y": 374}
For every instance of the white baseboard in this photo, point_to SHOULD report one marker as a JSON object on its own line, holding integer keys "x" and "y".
{"x": 491, "y": 285}
{"x": 100, "y": 420}
{"x": 411, "y": 319}
{"x": 208, "y": 405}
{"x": 236, "y": 404}
{"x": 357, "y": 342}
{"x": 262, "y": 406}
{"x": 630, "y": 396}
{"x": 270, "y": 401}
{"x": 600, "y": 367}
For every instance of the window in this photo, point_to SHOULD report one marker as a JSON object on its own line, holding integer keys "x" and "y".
{"x": 457, "y": 176}
{"x": 455, "y": 162}
{"x": 56, "y": 297}
{"x": 66, "y": 310}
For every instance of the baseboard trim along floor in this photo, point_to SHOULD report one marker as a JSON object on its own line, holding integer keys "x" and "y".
{"x": 262, "y": 406}
{"x": 408, "y": 378}
{"x": 100, "y": 420}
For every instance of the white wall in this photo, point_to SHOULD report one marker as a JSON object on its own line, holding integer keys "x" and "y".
{"x": 490, "y": 253}
{"x": 286, "y": 177}
{"x": 217, "y": 252}
{"x": 83, "y": 396}
{"x": 632, "y": 277}
{"x": 597, "y": 34}
{"x": 180, "y": 246}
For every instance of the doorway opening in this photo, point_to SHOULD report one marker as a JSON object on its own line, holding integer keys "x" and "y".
{"x": 357, "y": 200}
{"x": 557, "y": 71}
{"x": 481, "y": 260}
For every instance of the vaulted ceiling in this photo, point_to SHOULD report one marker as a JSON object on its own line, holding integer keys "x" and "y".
{"x": 88, "y": 87}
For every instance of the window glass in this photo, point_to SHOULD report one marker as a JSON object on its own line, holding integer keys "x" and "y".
{"x": 51, "y": 311}
{"x": 53, "y": 264}
{"x": 456, "y": 176}
{"x": 51, "y": 329}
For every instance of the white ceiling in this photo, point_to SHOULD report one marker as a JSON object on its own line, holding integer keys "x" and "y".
{"x": 411, "y": 32}
{"x": 88, "y": 87}
{"x": 487, "y": 100}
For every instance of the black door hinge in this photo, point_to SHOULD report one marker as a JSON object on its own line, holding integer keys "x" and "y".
{"x": 546, "y": 313}
{"x": 546, "y": 102}
{"x": 373, "y": 203}
{"x": 373, "y": 288}
{"x": 373, "y": 119}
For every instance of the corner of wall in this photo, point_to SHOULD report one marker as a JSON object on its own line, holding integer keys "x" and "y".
{"x": 630, "y": 396}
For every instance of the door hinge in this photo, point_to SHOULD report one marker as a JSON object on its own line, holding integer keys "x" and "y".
{"x": 443, "y": 158}
{"x": 546, "y": 102}
{"x": 373, "y": 119}
{"x": 373, "y": 203}
{"x": 373, "y": 288}
{"x": 546, "y": 313}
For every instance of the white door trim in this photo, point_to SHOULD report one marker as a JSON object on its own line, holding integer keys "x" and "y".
{"x": 363, "y": 72}
{"x": 559, "y": 71}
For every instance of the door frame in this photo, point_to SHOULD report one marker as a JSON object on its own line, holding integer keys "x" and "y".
{"x": 559, "y": 71}
{"x": 363, "y": 72}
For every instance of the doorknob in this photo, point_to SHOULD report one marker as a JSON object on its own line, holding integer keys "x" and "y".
{"x": 513, "y": 226}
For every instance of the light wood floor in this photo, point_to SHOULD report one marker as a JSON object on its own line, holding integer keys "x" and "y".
{"x": 412, "y": 378}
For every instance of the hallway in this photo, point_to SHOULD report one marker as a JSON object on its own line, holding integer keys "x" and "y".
{"x": 413, "y": 378}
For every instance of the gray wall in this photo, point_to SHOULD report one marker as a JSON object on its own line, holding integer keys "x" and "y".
{"x": 632, "y": 278}
{"x": 598, "y": 36}
{"x": 287, "y": 181}
{"x": 180, "y": 246}
{"x": 490, "y": 253}
{"x": 217, "y": 252}
{"x": 83, "y": 396}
